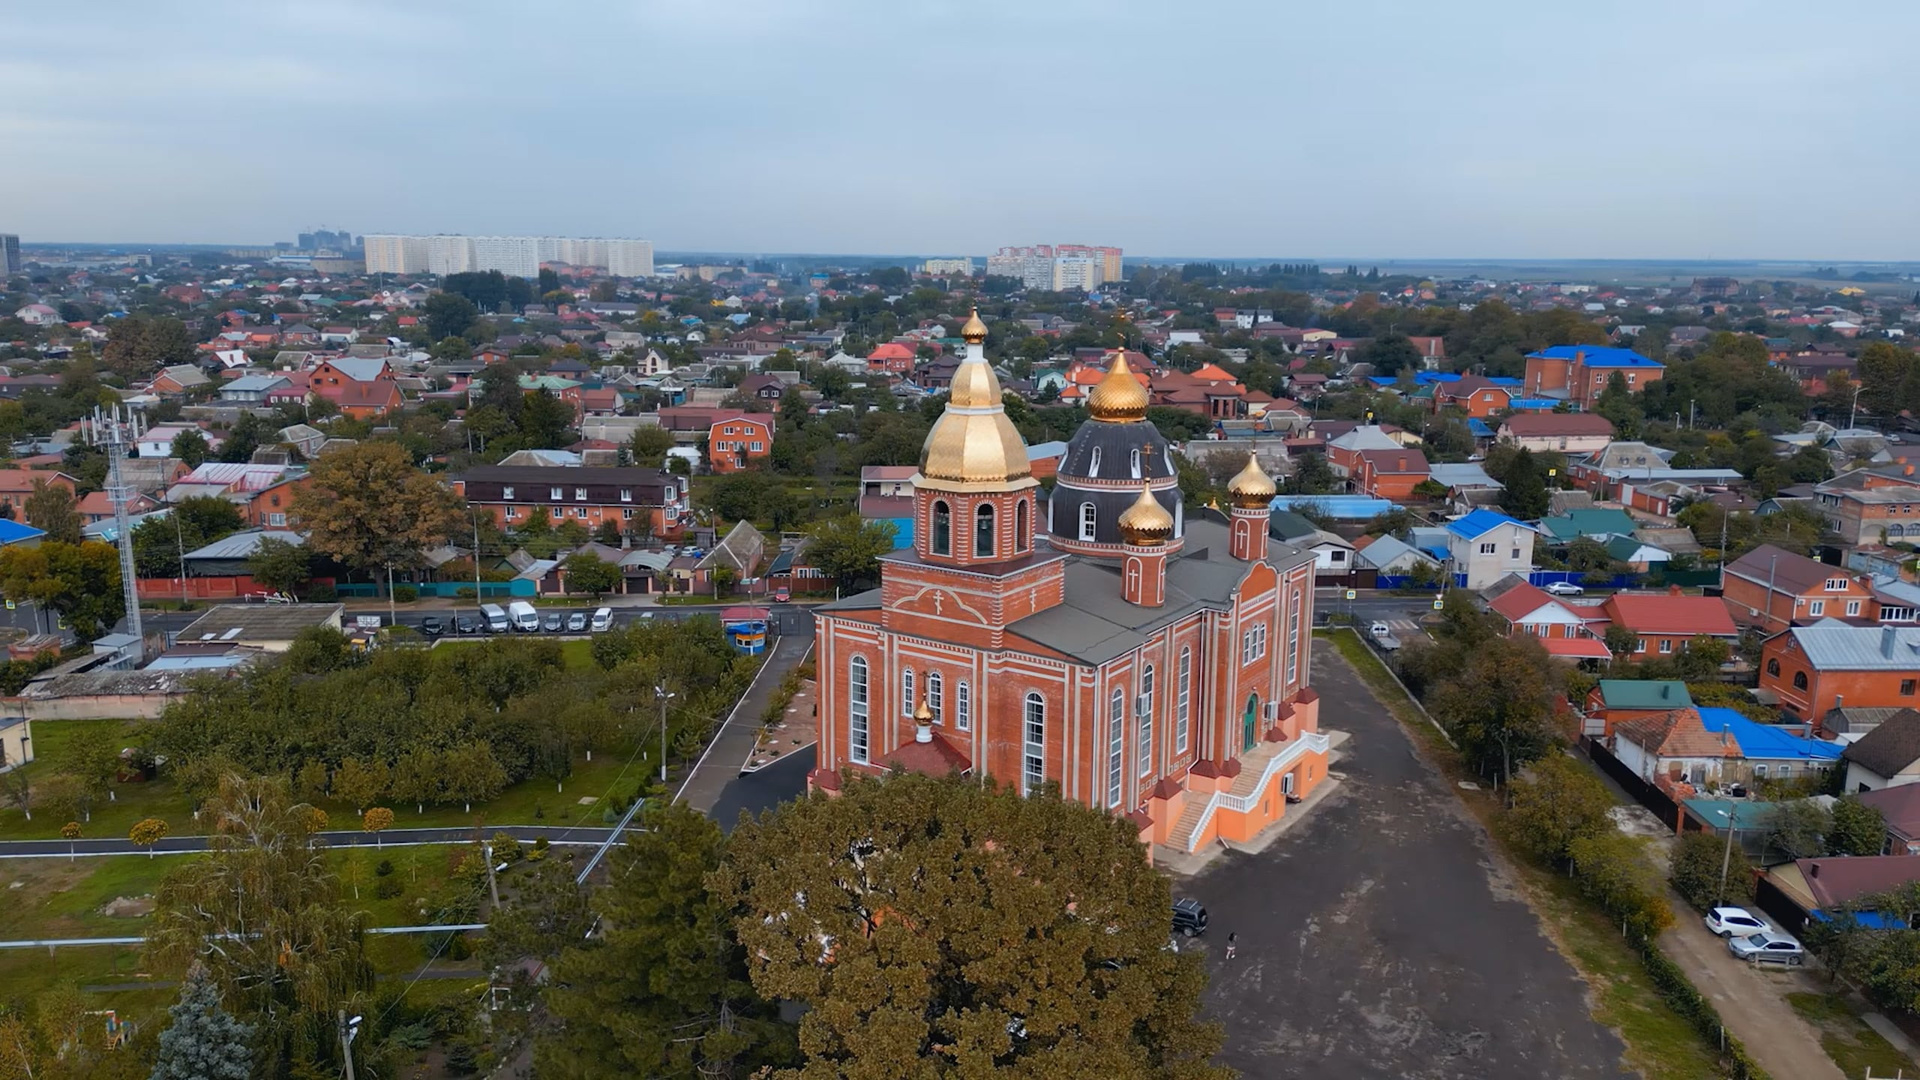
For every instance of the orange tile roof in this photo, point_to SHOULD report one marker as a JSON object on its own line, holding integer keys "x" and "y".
{"x": 1662, "y": 613}
{"x": 1521, "y": 600}
{"x": 1676, "y": 734}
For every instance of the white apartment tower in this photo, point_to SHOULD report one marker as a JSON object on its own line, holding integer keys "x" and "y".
{"x": 519, "y": 256}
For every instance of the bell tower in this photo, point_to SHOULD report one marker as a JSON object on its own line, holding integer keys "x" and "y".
{"x": 1251, "y": 492}
{"x": 974, "y": 497}
{"x": 1144, "y": 530}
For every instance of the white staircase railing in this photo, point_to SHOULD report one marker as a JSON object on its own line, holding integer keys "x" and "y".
{"x": 1312, "y": 742}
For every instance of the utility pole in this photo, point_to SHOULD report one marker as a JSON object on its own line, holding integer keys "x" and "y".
{"x": 477, "y": 598}
{"x": 180, "y": 544}
{"x": 493, "y": 883}
{"x": 348, "y": 1029}
{"x": 663, "y": 695}
{"x": 1726, "y": 856}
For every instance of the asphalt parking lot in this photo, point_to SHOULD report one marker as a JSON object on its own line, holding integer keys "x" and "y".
{"x": 1378, "y": 938}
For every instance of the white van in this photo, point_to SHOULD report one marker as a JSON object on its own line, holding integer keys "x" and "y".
{"x": 495, "y": 618}
{"x": 602, "y": 620}
{"x": 525, "y": 619}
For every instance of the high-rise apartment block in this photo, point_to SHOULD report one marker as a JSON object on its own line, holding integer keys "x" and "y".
{"x": 945, "y": 267}
{"x": 9, "y": 253}
{"x": 519, "y": 256}
{"x": 1057, "y": 266}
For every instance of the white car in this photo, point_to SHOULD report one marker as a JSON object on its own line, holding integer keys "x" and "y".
{"x": 1564, "y": 588}
{"x": 1734, "y": 921}
{"x": 1768, "y": 947}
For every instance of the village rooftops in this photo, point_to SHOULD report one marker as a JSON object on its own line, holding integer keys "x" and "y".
{"x": 1598, "y": 356}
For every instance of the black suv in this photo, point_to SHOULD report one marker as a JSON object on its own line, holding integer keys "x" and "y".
{"x": 432, "y": 626}
{"x": 1189, "y": 918}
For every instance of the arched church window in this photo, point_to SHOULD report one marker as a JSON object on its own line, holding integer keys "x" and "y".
{"x": 983, "y": 530}
{"x": 942, "y": 529}
{"x": 1022, "y": 524}
{"x": 1087, "y": 518}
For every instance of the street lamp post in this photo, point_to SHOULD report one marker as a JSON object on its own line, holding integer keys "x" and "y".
{"x": 663, "y": 695}
{"x": 1855, "y": 410}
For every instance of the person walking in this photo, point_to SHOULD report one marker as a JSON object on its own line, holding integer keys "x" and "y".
{"x": 1232, "y": 943}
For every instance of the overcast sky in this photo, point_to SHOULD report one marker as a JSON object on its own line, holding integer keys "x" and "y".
{"x": 1668, "y": 129}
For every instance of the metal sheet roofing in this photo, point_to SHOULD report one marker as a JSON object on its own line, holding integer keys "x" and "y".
{"x": 1598, "y": 356}
{"x": 1832, "y": 646}
{"x": 1767, "y": 742}
{"x": 1481, "y": 522}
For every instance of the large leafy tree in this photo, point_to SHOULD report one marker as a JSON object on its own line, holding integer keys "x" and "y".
{"x": 79, "y": 581}
{"x": 939, "y": 927}
{"x": 369, "y": 506}
{"x": 848, "y": 548}
{"x": 160, "y": 542}
{"x": 449, "y": 315}
{"x": 140, "y": 345}
{"x": 1525, "y": 496}
{"x": 51, "y": 509}
{"x": 263, "y": 913}
{"x": 203, "y": 1041}
{"x": 664, "y": 990}
{"x": 280, "y": 565}
{"x": 589, "y": 573}
{"x": 1498, "y": 704}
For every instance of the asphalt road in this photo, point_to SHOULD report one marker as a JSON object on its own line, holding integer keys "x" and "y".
{"x": 1380, "y": 937}
{"x": 175, "y": 845}
{"x": 788, "y": 618}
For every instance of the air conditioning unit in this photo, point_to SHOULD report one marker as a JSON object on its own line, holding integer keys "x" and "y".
{"x": 1142, "y": 704}
{"x": 1271, "y": 710}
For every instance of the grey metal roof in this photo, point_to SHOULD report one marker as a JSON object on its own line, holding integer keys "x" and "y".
{"x": 255, "y": 382}
{"x": 242, "y": 544}
{"x": 260, "y": 622}
{"x": 1833, "y": 646}
{"x": 1388, "y": 550}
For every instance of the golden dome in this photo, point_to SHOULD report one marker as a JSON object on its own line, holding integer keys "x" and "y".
{"x": 923, "y": 712}
{"x": 975, "y": 331}
{"x": 1118, "y": 398}
{"x": 974, "y": 386}
{"x": 1146, "y": 523}
{"x": 971, "y": 449}
{"x": 1251, "y": 487}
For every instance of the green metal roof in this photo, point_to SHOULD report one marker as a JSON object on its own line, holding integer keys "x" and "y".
{"x": 1575, "y": 523}
{"x": 1645, "y": 694}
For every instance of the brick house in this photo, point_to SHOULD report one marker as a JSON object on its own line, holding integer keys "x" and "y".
{"x": 1814, "y": 669}
{"x": 1873, "y": 505}
{"x": 363, "y": 388}
{"x": 1614, "y": 700}
{"x": 1666, "y": 621}
{"x": 1772, "y": 589}
{"x": 589, "y": 495}
{"x": 17, "y": 484}
{"x": 1475, "y": 395}
{"x": 1532, "y": 612}
{"x": 1390, "y": 474}
{"x": 1577, "y": 374}
{"x": 1566, "y": 433}
{"x": 734, "y": 441}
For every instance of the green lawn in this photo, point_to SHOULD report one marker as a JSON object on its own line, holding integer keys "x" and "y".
{"x": 1847, "y": 1039}
{"x": 535, "y": 801}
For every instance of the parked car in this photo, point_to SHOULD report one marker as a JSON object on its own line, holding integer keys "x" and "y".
{"x": 781, "y": 596}
{"x": 554, "y": 622}
{"x": 602, "y": 620}
{"x": 1382, "y": 636}
{"x": 1564, "y": 588}
{"x": 1728, "y": 921}
{"x": 467, "y": 624}
{"x": 1767, "y": 947}
{"x": 432, "y": 626}
{"x": 577, "y": 622}
{"x": 1189, "y": 917}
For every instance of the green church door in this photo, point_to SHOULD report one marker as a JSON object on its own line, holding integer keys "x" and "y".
{"x": 1247, "y": 724}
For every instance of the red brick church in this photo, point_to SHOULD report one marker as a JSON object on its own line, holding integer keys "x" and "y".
{"x": 1146, "y": 662}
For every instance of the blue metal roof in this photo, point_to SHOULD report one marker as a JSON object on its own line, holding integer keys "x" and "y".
{"x": 1479, "y": 523}
{"x": 1767, "y": 742}
{"x": 1479, "y": 428}
{"x": 1343, "y": 507}
{"x": 12, "y": 532}
{"x": 1598, "y": 356}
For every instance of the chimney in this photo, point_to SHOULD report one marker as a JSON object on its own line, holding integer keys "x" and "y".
{"x": 1888, "y": 636}
{"x": 1813, "y": 869}
{"x": 1908, "y": 471}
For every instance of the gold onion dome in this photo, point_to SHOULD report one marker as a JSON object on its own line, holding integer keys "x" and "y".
{"x": 975, "y": 331}
{"x": 1252, "y": 488}
{"x": 1118, "y": 398}
{"x": 1146, "y": 523}
{"x": 923, "y": 712}
{"x": 973, "y": 443}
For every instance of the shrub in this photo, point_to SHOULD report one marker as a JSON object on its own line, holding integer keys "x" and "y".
{"x": 1694, "y": 871}
{"x": 466, "y": 592}
{"x": 387, "y": 888}
{"x": 383, "y": 868}
{"x": 405, "y": 594}
{"x": 322, "y": 593}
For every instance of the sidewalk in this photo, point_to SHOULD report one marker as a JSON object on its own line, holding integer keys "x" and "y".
{"x": 721, "y": 762}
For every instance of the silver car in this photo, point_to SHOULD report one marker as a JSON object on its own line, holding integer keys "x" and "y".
{"x": 1768, "y": 947}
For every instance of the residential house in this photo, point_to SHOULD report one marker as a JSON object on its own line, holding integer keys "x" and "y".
{"x": 1535, "y": 613}
{"x": 1871, "y": 507}
{"x": 1389, "y": 556}
{"x": 1565, "y": 433}
{"x": 1599, "y": 523}
{"x": 891, "y": 358}
{"x": 1899, "y": 807}
{"x": 16, "y": 485}
{"x": 363, "y": 388}
{"x": 646, "y": 501}
{"x": 1345, "y": 444}
{"x": 1476, "y": 395}
{"x": 97, "y": 506}
{"x": 270, "y": 507}
{"x": 1810, "y": 670}
{"x": 886, "y": 494}
{"x": 1485, "y": 546}
{"x": 1578, "y": 374}
{"x": 252, "y": 389}
{"x": 179, "y": 379}
{"x": 1390, "y": 474}
{"x": 1805, "y": 889}
{"x": 735, "y": 441}
{"x": 764, "y": 386}
{"x": 1614, "y": 700}
{"x": 1665, "y": 621}
{"x": 1770, "y": 751}
{"x": 1332, "y": 553}
{"x": 1886, "y": 757}
{"x": 1772, "y": 589}
{"x": 1675, "y": 752}
{"x": 157, "y": 441}
{"x": 303, "y": 438}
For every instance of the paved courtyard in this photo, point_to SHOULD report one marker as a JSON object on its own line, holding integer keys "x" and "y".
{"x": 1377, "y": 938}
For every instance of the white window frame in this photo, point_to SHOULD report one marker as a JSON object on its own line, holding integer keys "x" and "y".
{"x": 1116, "y": 745}
{"x": 1816, "y": 607}
{"x": 1666, "y": 645}
{"x": 579, "y": 494}
{"x": 906, "y": 691}
{"x": 859, "y": 707}
{"x": 553, "y": 494}
{"x": 962, "y": 706}
{"x": 1183, "y": 702}
{"x": 1145, "y": 698}
{"x": 936, "y": 694}
{"x": 1489, "y": 549}
{"x": 1089, "y": 518}
{"x": 1093, "y": 463}
{"x": 1033, "y": 743}
{"x": 506, "y": 493}
{"x": 1853, "y": 607}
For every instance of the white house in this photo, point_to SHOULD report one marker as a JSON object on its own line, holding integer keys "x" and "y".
{"x": 157, "y": 441}
{"x": 1888, "y": 756}
{"x": 1487, "y": 545}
